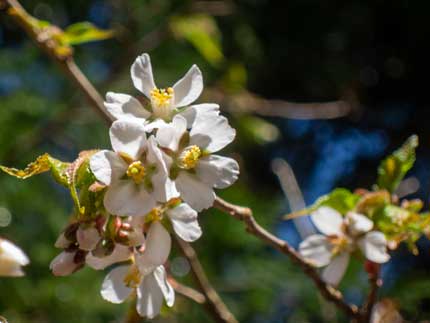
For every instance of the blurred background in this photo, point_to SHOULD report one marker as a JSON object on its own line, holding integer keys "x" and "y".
{"x": 328, "y": 88}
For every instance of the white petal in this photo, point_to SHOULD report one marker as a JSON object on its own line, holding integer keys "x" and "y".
{"x": 107, "y": 166}
{"x": 11, "y": 259}
{"x": 114, "y": 289}
{"x": 374, "y": 247}
{"x": 184, "y": 221}
{"x": 125, "y": 198}
{"x": 120, "y": 253}
{"x": 334, "y": 272}
{"x": 128, "y": 137}
{"x": 203, "y": 110}
{"x": 358, "y": 223}
{"x": 168, "y": 136}
{"x": 63, "y": 264}
{"x": 149, "y": 297}
{"x": 211, "y": 132}
{"x": 217, "y": 171}
{"x": 166, "y": 288}
{"x": 10, "y": 251}
{"x": 157, "y": 123}
{"x": 316, "y": 249}
{"x": 194, "y": 192}
{"x": 123, "y": 106}
{"x": 141, "y": 74}
{"x": 87, "y": 238}
{"x": 188, "y": 88}
{"x": 164, "y": 188}
{"x": 157, "y": 248}
{"x": 327, "y": 220}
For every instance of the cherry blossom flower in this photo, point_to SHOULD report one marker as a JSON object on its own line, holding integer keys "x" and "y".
{"x": 146, "y": 275}
{"x": 341, "y": 237}
{"x": 195, "y": 170}
{"x": 164, "y": 103}
{"x": 134, "y": 172}
{"x": 12, "y": 258}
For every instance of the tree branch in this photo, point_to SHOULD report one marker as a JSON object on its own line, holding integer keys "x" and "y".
{"x": 375, "y": 283}
{"x": 186, "y": 291}
{"x": 214, "y": 304}
{"x": 65, "y": 60}
{"x": 244, "y": 214}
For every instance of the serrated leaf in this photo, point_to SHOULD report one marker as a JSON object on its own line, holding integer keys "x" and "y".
{"x": 202, "y": 32}
{"x": 42, "y": 164}
{"x": 394, "y": 168}
{"x": 340, "y": 199}
{"x": 83, "y": 32}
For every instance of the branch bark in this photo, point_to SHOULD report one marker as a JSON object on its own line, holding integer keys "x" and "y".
{"x": 244, "y": 214}
{"x": 215, "y": 305}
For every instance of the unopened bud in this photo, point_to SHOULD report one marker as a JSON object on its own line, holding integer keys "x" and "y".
{"x": 64, "y": 264}
{"x": 87, "y": 238}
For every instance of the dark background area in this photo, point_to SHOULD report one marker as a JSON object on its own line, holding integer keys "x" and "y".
{"x": 372, "y": 54}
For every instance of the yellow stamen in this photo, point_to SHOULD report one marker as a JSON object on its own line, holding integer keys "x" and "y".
{"x": 132, "y": 279}
{"x": 154, "y": 215}
{"x": 339, "y": 244}
{"x": 162, "y": 97}
{"x": 189, "y": 157}
{"x": 136, "y": 171}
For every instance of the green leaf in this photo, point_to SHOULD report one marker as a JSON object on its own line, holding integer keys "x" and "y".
{"x": 83, "y": 32}
{"x": 340, "y": 199}
{"x": 202, "y": 32}
{"x": 42, "y": 164}
{"x": 394, "y": 168}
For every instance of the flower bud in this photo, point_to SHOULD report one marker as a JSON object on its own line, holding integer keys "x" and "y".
{"x": 11, "y": 259}
{"x": 87, "y": 238}
{"x": 64, "y": 264}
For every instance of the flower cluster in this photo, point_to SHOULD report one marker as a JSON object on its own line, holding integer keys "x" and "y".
{"x": 341, "y": 237}
{"x": 161, "y": 171}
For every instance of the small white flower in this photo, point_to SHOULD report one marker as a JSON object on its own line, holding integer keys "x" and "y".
{"x": 12, "y": 258}
{"x": 342, "y": 236}
{"x": 146, "y": 275}
{"x": 195, "y": 170}
{"x": 164, "y": 102}
{"x": 134, "y": 172}
{"x": 151, "y": 289}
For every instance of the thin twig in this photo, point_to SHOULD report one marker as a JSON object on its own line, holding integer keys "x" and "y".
{"x": 366, "y": 310}
{"x": 214, "y": 304}
{"x": 244, "y": 214}
{"x": 186, "y": 291}
{"x": 14, "y": 10}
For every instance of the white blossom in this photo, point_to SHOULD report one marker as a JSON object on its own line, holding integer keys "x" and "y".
{"x": 195, "y": 170}
{"x": 164, "y": 102}
{"x": 12, "y": 258}
{"x": 340, "y": 237}
{"x": 146, "y": 275}
{"x": 134, "y": 172}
